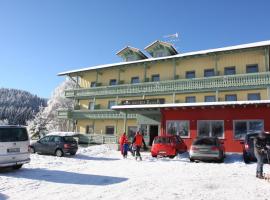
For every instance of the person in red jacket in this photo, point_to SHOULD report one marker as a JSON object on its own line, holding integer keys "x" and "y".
{"x": 137, "y": 142}
{"x": 122, "y": 140}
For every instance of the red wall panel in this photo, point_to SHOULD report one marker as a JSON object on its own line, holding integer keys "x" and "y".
{"x": 226, "y": 113}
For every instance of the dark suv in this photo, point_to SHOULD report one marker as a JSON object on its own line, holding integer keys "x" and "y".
{"x": 248, "y": 147}
{"x": 55, "y": 145}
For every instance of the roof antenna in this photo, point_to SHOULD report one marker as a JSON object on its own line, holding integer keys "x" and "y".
{"x": 172, "y": 38}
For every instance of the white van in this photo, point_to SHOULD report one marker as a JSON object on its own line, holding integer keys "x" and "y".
{"x": 14, "y": 146}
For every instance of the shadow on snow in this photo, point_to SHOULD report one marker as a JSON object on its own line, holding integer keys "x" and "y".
{"x": 57, "y": 176}
{"x": 84, "y": 157}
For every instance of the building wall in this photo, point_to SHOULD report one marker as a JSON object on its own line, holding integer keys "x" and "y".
{"x": 166, "y": 67}
{"x": 100, "y": 125}
{"x": 229, "y": 114}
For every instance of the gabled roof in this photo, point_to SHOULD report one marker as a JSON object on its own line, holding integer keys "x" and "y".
{"x": 194, "y": 53}
{"x": 157, "y": 42}
{"x": 129, "y": 48}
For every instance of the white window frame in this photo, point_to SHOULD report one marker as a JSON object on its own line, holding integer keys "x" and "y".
{"x": 210, "y": 134}
{"x": 178, "y": 121}
{"x": 245, "y": 120}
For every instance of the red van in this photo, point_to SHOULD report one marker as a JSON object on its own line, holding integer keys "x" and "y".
{"x": 168, "y": 146}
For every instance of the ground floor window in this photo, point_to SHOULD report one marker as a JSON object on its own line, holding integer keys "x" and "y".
{"x": 109, "y": 130}
{"x": 89, "y": 129}
{"x": 177, "y": 127}
{"x": 213, "y": 128}
{"x": 131, "y": 132}
{"x": 242, "y": 127}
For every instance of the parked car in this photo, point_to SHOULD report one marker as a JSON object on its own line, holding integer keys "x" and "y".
{"x": 168, "y": 146}
{"x": 248, "y": 147}
{"x": 55, "y": 145}
{"x": 14, "y": 146}
{"x": 207, "y": 148}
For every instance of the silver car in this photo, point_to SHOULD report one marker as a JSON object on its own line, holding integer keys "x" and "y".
{"x": 207, "y": 148}
{"x": 14, "y": 146}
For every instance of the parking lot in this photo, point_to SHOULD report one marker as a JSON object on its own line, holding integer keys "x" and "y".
{"x": 98, "y": 172}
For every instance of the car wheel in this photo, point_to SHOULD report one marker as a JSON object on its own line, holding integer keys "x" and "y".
{"x": 73, "y": 153}
{"x": 172, "y": 157}
{"x": 32, "y": 150}
{"x": 191, "y": 159}
{"x": 17, "y": 166}
{"x": 59, "y": 153}
{"x": 154, "y": 156}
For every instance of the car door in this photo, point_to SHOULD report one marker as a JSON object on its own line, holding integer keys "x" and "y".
{"x": 52, "y": 144}
{"x": 42, "y": 145}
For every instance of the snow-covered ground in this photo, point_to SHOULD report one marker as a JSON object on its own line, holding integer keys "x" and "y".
{"x": 98, "y": 172}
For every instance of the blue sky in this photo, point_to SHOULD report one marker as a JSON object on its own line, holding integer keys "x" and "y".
{"x": 39, "y": 39}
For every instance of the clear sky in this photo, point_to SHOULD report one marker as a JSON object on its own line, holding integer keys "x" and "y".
{"x": 40, "y": 38}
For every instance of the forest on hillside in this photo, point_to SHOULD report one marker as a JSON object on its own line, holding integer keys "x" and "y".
{"x": 18, "y": 106}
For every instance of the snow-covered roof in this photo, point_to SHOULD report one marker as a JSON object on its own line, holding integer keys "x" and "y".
{"x": 63, "y": 133}
{"x": 138, "y": 51}
{"x": 174, "y": 105}
{"x": 157, "y": 42}
{"x": 229, "y": 48}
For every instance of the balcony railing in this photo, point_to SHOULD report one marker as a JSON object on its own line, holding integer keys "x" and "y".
{"x": 96, "y": 114}
{"x": 254, "y": 80}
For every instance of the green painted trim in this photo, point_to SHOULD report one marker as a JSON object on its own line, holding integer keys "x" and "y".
{"x": 145, "y": 71}
{"x": 174, "y": 69}
{"x": 266, "y": 55}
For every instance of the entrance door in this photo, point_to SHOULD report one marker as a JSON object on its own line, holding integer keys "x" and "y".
{"x": 153, "y": 132}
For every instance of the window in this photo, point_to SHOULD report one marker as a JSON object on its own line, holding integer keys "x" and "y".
{"x": 89, "y": 129}
{"x": 155, "y": 77}
{"x": 242, "y": 127}
{"x": 57, "y": 139}
{"x": 160, "y": 53}
{"x": 191, "y": 99}
{"x": 229, "y": 70}
{"x": 252, "y": 68}
{"x": 93, "y": 84}
{"x": 135, "y": 80}
{"x": 113, "y": 82}
{"x": 210, "y": 98}
{"x": 209, "y": 72}
{"x": 111, "y": 103}
{"x": 190, "y": 74}
{"x": 231, "y": 97}
{"x": 254, "y": 96}
{"x": 211, "y": 128}
{"x": 109, "y": 130}
{"x": 91, "y": 106}
{"x": 131, "y": 132}
{"x": 13, "y": 134}
{"x": 177, "y": 128}
{"x": 130, "y": 58}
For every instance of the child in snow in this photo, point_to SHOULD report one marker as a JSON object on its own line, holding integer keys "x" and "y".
{"x": 125, "y": 148}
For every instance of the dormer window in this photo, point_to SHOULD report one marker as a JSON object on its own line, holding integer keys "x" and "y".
{"x": 161, "y": 49}
{"x": 160, "y": 54}
{"x": 131, "y": 54}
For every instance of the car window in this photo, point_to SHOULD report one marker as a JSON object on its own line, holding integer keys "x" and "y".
{"x": 205, "y": 141}
{"x": 44, "y": 140}
{"x": 162, "y": 140}
{"x": 57, "y": 139}
{"x": 69, "y": 139}
{"x": 13, "y": 134}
